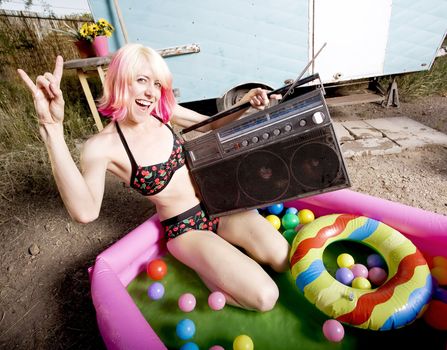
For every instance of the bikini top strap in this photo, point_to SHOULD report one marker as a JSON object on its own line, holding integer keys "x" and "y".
{"x": 170, "y": 128}
{"x": 126, "y": 146}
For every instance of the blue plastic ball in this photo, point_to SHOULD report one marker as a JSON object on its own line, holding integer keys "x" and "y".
{"x": 375, "y": 260}
{"x": 189, "y": 346}
{"x": 291, "y": 210}
{"x": 344, "y": 275}
{"x": 156, "y": 291}
{"x": 185, "y": 329}
{"x": 276, "y": 209}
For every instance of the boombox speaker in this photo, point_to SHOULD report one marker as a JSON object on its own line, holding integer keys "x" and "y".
{"x": 285, "y": 152}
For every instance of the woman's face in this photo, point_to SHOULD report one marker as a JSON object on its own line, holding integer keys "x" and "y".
{"x": 144, "y": 93}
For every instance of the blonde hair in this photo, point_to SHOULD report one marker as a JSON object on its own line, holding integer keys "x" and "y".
{"x": 121, "y": 73}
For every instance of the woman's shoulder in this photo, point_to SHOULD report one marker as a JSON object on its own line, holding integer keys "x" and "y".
{"x": 103, "y": 141}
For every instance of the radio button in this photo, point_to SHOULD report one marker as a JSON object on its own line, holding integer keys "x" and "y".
{"x": 318, "y": 117}
{"x": 288, "y": 127}
{"x": 276, "y": 132}
{"x": 255, "y": 139}
{"x": 244, "y": 143}
{"x": 265, "y": 135}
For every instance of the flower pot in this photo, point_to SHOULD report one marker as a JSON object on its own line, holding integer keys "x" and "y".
{"x": 85, "y": 48}
{"x": 101, "y": 45}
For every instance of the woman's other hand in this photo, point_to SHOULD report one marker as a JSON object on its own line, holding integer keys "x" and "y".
{"x": 258, "y": 98}
{"x": 47, "y": 95}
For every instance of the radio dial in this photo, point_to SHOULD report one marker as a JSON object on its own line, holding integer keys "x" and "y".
{"x": 255, "y": 139}
{"x": 303, "y": 122}
{"x": 265, "y": 135}
{"x": 244, "y": 143}
{"x": 276, "y": 132}
{"x": 318, "y": 117}
{"x": 288, "y": 127}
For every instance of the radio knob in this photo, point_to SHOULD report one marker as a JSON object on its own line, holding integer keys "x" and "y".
{"x": 276, "y": 132}
{"x": 318, "y": 117}
{"x": 255, "y": 139}
{"x": 288, "y": 127}
{"x": 303, "y": 122}
{"x": 265, "y": 135}
{"x": 244, "y": 143}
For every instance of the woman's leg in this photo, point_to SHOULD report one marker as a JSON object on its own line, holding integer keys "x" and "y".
{"x": 252, "y": 232}
{"x": 225, "y": 268}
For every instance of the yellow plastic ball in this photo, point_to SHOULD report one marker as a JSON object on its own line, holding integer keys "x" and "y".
{"x": 440, "y": 274}
{"x": 306, "y": 216}
{"x": 243, "y": 342}
{"x": 274, "y": 220}
{"x": 345, "y": 260}
{"x": 361, "y": 283}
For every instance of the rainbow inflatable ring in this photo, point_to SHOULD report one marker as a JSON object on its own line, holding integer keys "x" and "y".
{"x": 401, "y": 299}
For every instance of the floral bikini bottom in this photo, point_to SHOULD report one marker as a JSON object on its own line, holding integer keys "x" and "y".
{"x": 192, "y": 219}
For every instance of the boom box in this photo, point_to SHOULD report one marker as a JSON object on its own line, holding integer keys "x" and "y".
{"x": 285, "y": 152}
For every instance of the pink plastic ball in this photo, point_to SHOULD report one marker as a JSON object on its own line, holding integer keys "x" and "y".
{"x": 216, "y": 347}
{"x": 187, "y": 302}
{"x": 333, "y": 330}
{"x": 377, "y": 275}
{"x": 359, "y": 270}
{"x": 216, "y": 301}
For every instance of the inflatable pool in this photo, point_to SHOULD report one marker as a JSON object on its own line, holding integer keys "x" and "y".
{"x": 121, "y": 323}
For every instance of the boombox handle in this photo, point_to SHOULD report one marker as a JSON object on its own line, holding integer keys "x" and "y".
{"x": 223, "y": 114}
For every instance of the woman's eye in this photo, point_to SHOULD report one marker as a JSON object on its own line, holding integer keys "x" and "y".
{"x": 141, "y": 80}
{"x": 157, "y": 84}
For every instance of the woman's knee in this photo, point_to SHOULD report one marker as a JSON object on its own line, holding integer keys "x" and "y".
{"x": 266, "y": 297}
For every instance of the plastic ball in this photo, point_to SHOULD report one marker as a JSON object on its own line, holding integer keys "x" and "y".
{"x": 275, "y": 208}
{"x": 291, "y": 210}
{"x": 189, "y": 346}
{"x": 435, "y": 315}
{"x": 185, "y": 329}
{"x": 306, "y": 216}
{"x": 243, "y": 342}
{"x": 216, "y": 347}
{"x": 333, "y": 330}
{"x": 156, "y": 291}
{"x": 440, "y": 261}
{"x": 289, "y": 235}
{"x": 344, "y": 275}
{"x": 216, "y": 301}
{"x": 187, "y": 302}
{"x": 359, "y": 270}
{"x": 274, "y": 220}
{"x": 440, "y": 274}
{"x": 377, "y": 275}
{"x": 157, "y": 269}
{"x": 345, "y": 260}
{"x": 361, "y": 283}
{"x": 374, "y": 260}
{"x": 290, "y": 221}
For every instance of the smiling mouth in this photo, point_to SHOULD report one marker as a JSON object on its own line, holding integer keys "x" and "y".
{"x": 145, "y": 104}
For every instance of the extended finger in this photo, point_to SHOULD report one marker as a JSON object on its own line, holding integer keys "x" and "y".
{"x": 58, "y": 68}
{"x": 27, "y": 81}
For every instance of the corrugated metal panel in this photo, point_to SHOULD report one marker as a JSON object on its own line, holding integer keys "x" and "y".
{"x": 417, "y": 29}
{"x": 240, "y": 41}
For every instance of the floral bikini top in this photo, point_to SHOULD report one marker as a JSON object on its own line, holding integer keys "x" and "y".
{"x": 151, "y": 179}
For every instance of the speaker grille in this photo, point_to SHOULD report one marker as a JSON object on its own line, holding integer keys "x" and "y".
{"x": 263, "y": 176}
{"x": 315, "y": 165}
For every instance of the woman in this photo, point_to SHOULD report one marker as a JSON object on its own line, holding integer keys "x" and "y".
{"x": 138, "y": 98}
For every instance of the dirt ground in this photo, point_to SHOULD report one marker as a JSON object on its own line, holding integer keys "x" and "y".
{"x": 44, "y": 286}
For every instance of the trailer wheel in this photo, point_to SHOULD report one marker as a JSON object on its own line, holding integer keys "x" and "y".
{"x": 234, "y": 95}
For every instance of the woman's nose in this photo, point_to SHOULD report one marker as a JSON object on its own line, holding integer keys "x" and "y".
{"x": 149, "y": 90}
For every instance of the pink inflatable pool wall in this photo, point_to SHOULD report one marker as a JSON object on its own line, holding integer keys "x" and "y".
{"x": 122, "y": 325}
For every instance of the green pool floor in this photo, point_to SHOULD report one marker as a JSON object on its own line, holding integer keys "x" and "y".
{"x": 294, "y": 323}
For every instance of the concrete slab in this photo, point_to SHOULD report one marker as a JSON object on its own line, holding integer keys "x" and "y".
{"x": 408, "y": 133}
{"x": 341, "y": 132}
{"x": 362, "y": 130}
{"x": 363, "y": 147}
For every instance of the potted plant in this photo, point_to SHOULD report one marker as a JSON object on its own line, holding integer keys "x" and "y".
{"x": 101, "y": 30}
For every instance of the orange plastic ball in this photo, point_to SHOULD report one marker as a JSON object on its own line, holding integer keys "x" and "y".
{"x": 157, "y": 269}
{"x": 440, "y": 274}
